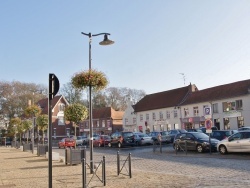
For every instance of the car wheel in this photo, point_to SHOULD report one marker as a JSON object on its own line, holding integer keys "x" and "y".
{"x": 119, "y": 145}
{"x": 110, "y": 145}
{"x": 99, "y": 145}
{"x": 199, "y": 148}
{"x": 223, "y": 149}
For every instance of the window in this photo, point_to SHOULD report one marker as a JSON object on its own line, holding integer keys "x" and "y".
{"x": 161, "y": 115}
{"x": 240, "y": 121}
{"x": 175, "y": 114}
{"x": 141, "y": 117}
{"x": 228, "y": 106}
{"x": 61, "y": 107}
{"x": 186, "y": 112}
{"x": 54, "y": 132}
{"x": 147, "y": 117}
{"x": 61, "y": 120}
{"x": 238, "y": 104}
{"x": 168, "y": 115}
{"x": 196, "y": 111}
{"x": 103, "y": 123}
{"x": 134, "y": 120}
{"x": 126, "y": 121}
{"x": 96, "y": 123}
{"x": 215, "y": 108}
{"x": 68, "y": 131}
{"x": 153, "y": 115}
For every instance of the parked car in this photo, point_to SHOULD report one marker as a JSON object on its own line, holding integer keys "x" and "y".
{"x": 172, "y": 133}
{"x": 203, "y": 129}
{"x": 155, "y": 135}
{"x": 238, "y": 142}
{"x": 142, "y": 139}
{"x": 66, "y": 142}
{"x": 195, "y": 141}
{"x": 145, "y": 139}
{"x": 222, "y": 134}
{"x": 82, "y": 140}
{"x": 137, "y": 138}
{"x": 6, "y": 141}
{"x": 243, "y": 128}
{"x": 121, "y": 139}
{"x": 101, "y": 140}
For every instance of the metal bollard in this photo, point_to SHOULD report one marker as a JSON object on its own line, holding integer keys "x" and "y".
{"x": 130, "y": 171}
{"x": 104, "y": 171}
{"x": 118, "y": 163}
{"x": 186, "y": 147}
{"x": 84, "y": 175}
{"x": 160, "y": 147}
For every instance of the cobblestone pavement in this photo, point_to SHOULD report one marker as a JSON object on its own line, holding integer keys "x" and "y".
{"x": 149, "y": 169}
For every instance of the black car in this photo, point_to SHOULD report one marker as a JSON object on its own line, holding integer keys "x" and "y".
{"x": 222, "y": 134}
{"x": 203, "y": 129}
{"x": 172, "y": 133}
{"x": 194, "y": 141}
{"x": 121, "y": 139}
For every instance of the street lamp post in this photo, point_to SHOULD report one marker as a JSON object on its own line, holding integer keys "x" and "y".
{"x": 106, "y": 41}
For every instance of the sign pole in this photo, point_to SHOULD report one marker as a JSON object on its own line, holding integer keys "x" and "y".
{"x": 53, "y": 89}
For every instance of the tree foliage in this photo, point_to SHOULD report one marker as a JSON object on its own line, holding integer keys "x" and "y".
{"x": 16, "y": 96}
{"x": 32, "y": 110}
{"x": 76, "y": 113}
{"x": 42, "y": 123}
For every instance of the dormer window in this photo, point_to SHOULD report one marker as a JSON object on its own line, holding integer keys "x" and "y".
{"x": 61, "y": 107}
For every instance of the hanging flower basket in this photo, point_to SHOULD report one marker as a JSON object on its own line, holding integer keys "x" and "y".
{"x": 94, "y": 78}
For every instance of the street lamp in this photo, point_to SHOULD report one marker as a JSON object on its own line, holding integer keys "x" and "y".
{"x": 105, "y": 41}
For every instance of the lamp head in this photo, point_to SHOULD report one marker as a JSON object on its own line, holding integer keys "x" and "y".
{"x": 106, "y": 41}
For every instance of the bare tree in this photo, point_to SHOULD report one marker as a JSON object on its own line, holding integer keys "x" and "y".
{"x": 16, "y": 96}
{"x": 72, "y": 94}
{"x": 117, "y": 98}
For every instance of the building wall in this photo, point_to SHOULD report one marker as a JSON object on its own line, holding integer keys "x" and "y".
{"x": 128, "y": 119}
{"x": 192, "y": 120}
{"x": 160, "y": 122}
{"x": 233, "y": 115}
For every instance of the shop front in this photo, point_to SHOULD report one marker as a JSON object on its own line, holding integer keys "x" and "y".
{"x": 192, "y": 122}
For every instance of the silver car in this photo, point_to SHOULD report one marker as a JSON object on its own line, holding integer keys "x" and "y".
{"x": 238, "y": 142}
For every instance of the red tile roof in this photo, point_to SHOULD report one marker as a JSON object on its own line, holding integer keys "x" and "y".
{"x": 231, "y": 90}
{"x": 43, "y": 103}
{"x": 164, "y": 99}
{"x": 107, "y": 112}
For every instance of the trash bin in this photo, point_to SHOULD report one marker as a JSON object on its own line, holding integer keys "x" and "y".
{"x": 27, "y": 147}
{"x": 74, "y": 156}
{"x": 42, "y": 149}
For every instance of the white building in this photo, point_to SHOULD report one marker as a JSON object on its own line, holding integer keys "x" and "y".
{"x": 228, "y": 106}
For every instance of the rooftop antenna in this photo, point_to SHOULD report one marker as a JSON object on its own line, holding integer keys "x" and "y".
{"x": 183, "y": 77}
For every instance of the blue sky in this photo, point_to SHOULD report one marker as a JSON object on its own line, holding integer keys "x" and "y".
{"x": 155, "y": 41}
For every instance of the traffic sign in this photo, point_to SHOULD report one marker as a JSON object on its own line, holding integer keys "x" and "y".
{"x": 208, "y": 124}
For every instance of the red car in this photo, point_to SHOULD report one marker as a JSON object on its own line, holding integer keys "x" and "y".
{"x": 102, "y": 140}
{"x": 66, "y": 142}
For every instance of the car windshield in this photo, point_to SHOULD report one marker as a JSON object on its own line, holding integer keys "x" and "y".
{"x": 200, "y": 135}
{"x": 128, "y": 134}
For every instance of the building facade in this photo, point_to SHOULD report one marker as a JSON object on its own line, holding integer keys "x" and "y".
{"x": 228, "y": 106}
{"x": 105, "y": 121}
{"x": 60, "y": 127}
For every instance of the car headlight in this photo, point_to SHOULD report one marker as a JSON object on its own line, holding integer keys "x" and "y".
{"x": 205, "y": 143}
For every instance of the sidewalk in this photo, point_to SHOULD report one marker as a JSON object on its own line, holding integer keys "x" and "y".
{"x": 24, "y": 169}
